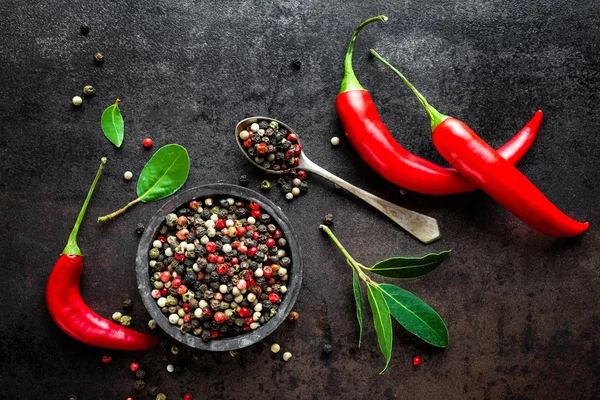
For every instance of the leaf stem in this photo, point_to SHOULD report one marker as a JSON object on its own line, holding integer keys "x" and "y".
{"x": 119, "y": 212}
{"x": 356, "y": 266}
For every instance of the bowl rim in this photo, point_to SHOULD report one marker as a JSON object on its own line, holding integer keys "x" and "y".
{"x": 202, "y": 192}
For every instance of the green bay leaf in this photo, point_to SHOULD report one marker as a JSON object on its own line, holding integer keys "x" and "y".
{"x": 164, "y": 173}
{"x": 360, "y": 315}
{"x": 112, "y": 124}
{"x": 415, "y": 315}
{"x": 382, "y": 321}
{"x": 409, "y": 267}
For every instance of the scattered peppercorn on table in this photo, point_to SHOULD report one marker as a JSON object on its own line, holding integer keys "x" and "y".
{"x": 520, "y": 307}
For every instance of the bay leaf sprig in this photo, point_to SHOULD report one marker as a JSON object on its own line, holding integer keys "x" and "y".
{"x": 112, "y": 124}
{"x": 162, "y": 176}
{"x": 388, "y": 301}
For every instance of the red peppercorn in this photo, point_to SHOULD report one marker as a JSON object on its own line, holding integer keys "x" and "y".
{"x": 164, "y": 291}
{"x": 416, "y": 361}
{"x": 206, "y": 312}
{"x": 277, "y": 234}
{"x": 289, "y": 154}
{"x": 256, "y": 213}
{"x": 182, "y": 289}
{"x": 250, "y": 283}
{"x": 179, "y": 257}
{"x": 301, "y": 174}
{"x": 211, "y": 247}
{"x": 256, "y": 289}
{"x": 182, "y": 234}
{"x": 220, "y": 224}
{"x": 134, "y": 366}
{"x": 214, "y": 334}
{"x": 246, "y": 328}
{"x": 261, "y": 148}
{"x": 234, "y": 261}
{"x": 129, "y": 398}
{"x": 222, "y": 269}
{"x": 220, "y": 259}
{"x": 249, "y": 320}
{"x": 194, "y": 205}
{"x": 165, "y": 276}
{"x": 211, "y": 258}
{"x": 220, "y": 317}
{"x": 241, "y": 231}
{"x": 254, "y": 206}
{"x": 244, "y": 312}
{"x": 218, "y": 296}
{"x": 273, "y": 297}
{"x": 255, "y": 235}
{"x": 162, "y": 239}
{"x": 294, "y": 162}
{"x": 187, "y": 307}
{"x": 247, "y": 143}
{"x": 200, "y": 276}
{"x": 297, "y": 149}
{"x": 270, "y": 242}
{"x": 187, "y": 396}
{"x": 106, "y": 359}
{"x": 176, "y": 283}
{"x": 252, "y": 251}
{"x": 187, "y": 318}
{"x": 271, "y": 282}
{"x": 242, "y": 249}
{"x": 267, "y": 271}
{"x": 147, "y": 143}
{"x": 292, "y": 137}
{"x": 182, "y": 220}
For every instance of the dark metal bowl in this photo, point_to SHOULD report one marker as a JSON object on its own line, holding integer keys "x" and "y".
{"x": 295, "y": 274}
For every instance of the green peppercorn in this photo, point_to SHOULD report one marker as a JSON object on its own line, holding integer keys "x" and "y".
{"x": 265, "y": 185}
{"x": 139, "y": 384}
{"x": 171, "y": 220}
{"x": 266, "y": 165}
{"x": 286, "y": 188}
{"x": 274, "y": 125}
{"x": 162, "y": 396}
{"x": 281, "y": 181}
{"x": 154, "y": 253}
{"x": 89, "y": 90}
{"x": 140, "y": 374}
{"x": 99, "y": 57}
{"x": 125, "y": 320}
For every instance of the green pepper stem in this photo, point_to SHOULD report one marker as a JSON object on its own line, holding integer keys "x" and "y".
{"x": 350, "y": 82}
{"x": 120, "y": 211}
{"x": 356, "y": 266}
{"x": 71, "y": 248}
{"x": 435, "y": 117}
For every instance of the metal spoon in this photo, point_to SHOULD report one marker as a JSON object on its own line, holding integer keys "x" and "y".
{"x": 424, "y": 228}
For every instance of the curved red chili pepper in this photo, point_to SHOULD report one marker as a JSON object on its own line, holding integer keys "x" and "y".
{"x": 485, "y": 167}
{"x": 378, "y": 148}
{"x": 69, "y": 311}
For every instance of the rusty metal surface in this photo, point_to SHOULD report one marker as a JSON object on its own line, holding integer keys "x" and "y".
{"x": 521, "y": 308}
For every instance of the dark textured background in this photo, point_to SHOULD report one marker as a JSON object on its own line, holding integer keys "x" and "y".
{"x": 521, "y": 308}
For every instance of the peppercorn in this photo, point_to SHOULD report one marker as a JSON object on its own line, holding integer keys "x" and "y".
{"x": 286, "y": 188}
{"x": 416, "y": 361}
{"x": 243, "y": 180}
{"x": 296, "y": 64}
{"x": 106, "y": 359}
{"x": 127, "y": 304}
{"x": 140, "y": 374}
{"x": 161, "y": 396}
{"x": 72, "y": 397}
{"x": 293, "y": 316}
{"x": 125, "y": 320}
{"x": 77, "y": 101}
{"x": 139, "y": 229}
{"x": 286, "y": 356}
{"x": 152, "y": 390}
{"x": 139, "y": 384}
{"x": 327, "y": 349}
{"x": 303, "y": 186}
{"x": 98, "y": 58}
{"x": 84, "y": 30}
{"x": 328, "y": 219}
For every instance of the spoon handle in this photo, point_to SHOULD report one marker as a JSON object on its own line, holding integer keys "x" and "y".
{"x": 424, "y": 228}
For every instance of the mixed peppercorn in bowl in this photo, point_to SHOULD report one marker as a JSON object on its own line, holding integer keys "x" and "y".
{"x": 218, "y": 267}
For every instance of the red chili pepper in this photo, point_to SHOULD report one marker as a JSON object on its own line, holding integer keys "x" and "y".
{"x": 68, "y": 309}
{"x": 486, "y": 168}
{"x": 378, "y": 148}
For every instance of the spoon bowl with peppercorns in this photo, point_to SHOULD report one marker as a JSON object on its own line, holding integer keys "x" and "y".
{"x": 274, "y": 147}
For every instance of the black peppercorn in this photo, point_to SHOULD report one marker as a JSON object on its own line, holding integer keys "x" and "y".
{"x": 127, "y": 304}
{"x": 98, "y": 58}
{"x": 303, "y": 186}
{"x": 84, "y": 30}
{"x": 265, "y": 218}
{"x": 263, "y": 124}
{"x": 140, "y": 374}
{"x": 189, "y": 279}
{"x": 152, "y": 390}
{"x": 139, "y": 229}
{"x": 205, "y": 214}
{"x": 296, "y": 64}
{"x": 327, "y": 349}
{"x": 286, "y": 188}
{"x": 328, "y": 219}
{"x": 180, "y": 269}
{"x": 139, "y": 385}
